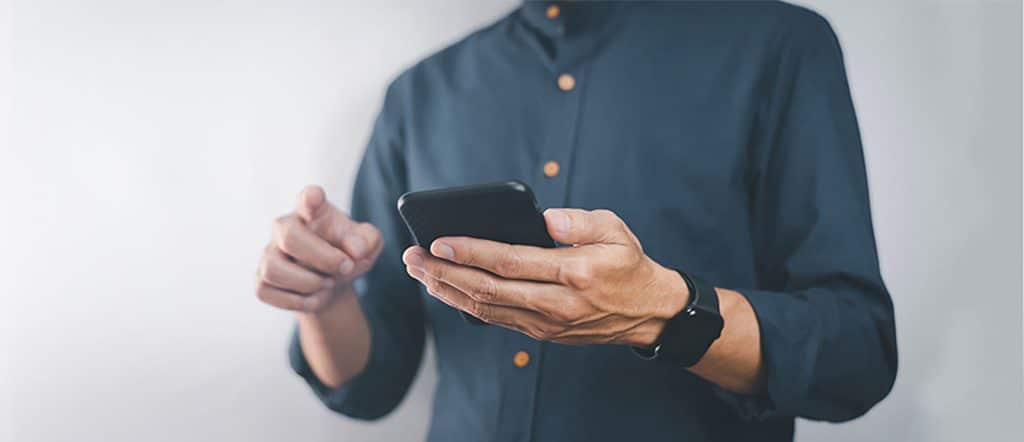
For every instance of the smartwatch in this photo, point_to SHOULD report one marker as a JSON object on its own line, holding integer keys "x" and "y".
{"x": 688, "y": 334}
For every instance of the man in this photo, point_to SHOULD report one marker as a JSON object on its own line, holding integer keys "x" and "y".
{"x": 720, "y": 142}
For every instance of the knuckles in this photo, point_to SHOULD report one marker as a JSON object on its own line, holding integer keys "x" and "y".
{"x": 373, "y": 236}
{"x": 479, "y": 294}
{"x": 263, "y": 293}
{"x": 266, "y": 271}
{"x": 371, "y": 239}
{"x": 534, "y": 332}
{"x": 487, "y": 290}
{"x": 570, "y": 313}
{"x": 609, "y": 218}
{"x": 605, "y": 215}
{"x": 332, "y": 262}
{"x": 281, "y": 221}
{"x": 616, "y": 226}
{"x": 436, "y": 270}
{"x": 580, "y": 275}
{"x": 511, "y": 262}
{"x": 544, "y": 332}
{"x": 433, "y": 286}
{"x": 287, "y": 232}
{"x": 480, "y": 310}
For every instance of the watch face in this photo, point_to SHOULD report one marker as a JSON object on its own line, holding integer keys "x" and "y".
{"x": 707, "y": 324}
{"x": 689, "y": 334}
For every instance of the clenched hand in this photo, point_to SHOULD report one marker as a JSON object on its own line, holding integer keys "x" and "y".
{"x": 316, "y": 252}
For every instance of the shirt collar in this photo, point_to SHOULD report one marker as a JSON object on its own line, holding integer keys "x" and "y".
{"x": 572, "y": 17}
{"x": 571, "y": 34}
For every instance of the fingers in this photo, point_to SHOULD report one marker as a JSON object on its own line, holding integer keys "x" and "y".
{"x": 530, "y": 323}
{"x": 278, "y": 271}
{"x": 361, "y": 242}
{"x": 577, "y": 226}
{"x": 570, "y": 321}
{"x": 506, "y": 260}
{"x": 576, "y": 267}
{"x": 325, "y": 220}
{"x": 312, "y": 203}
{"x": 526, "y": 321}
{"x": 486, "y": 288}
{"x": 316, "y": 240}
{"x": 296, "y": 240}
{"x": 292, "y": 301}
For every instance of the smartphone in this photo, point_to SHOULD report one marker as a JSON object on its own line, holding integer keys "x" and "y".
{"x": 504, "y": 211}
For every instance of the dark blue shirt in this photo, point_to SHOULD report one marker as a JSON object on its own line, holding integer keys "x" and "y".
{"x": 723, "y": 133}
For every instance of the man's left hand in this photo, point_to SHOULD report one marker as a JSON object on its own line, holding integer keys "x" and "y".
{"x": 602, "y": 290}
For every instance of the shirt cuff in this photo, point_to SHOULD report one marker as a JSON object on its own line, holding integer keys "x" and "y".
{"x": 782, "y": 322}
{"x": 355, "y": 398}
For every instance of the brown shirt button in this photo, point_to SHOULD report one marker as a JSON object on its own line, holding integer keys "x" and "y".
{"x": 566, "y": 82}
{"x": 553, "y": 11}
{"x": 551, "y": 168}
{"x": 521, "y": 359}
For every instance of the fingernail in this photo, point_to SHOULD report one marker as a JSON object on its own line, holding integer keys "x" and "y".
{"x": 346, "y": 266}
{"x": 355, "y": 244}
{"x": 414, "y": 260}
{"x": 559, "y": 221}
{"x": 442, "y": 250}
{"x": 328, "y": 283}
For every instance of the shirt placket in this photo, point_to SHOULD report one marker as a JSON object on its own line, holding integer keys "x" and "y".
{"x": 550, "y": 182}
{"x": 551, "y": 179}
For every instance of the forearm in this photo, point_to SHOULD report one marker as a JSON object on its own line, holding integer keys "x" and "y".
{"x": 734, "y": 360}
{"x": 336, "y": 340}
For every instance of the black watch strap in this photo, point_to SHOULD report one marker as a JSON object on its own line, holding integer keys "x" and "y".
{"x": 689, "y": 334}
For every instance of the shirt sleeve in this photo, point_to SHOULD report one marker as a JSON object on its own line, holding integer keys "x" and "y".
{"x": 826, "y": 319}
{"x": 390, "y": 301}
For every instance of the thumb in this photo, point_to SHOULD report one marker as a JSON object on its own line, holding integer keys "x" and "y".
{"x": 312, "y": 203}
{"x": 577, "y": 226}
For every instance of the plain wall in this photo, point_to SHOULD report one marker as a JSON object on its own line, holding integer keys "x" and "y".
{"x": 149, "y": 144}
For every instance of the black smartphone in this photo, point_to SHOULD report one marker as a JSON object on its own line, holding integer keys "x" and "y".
{"x": 503, "y": 211}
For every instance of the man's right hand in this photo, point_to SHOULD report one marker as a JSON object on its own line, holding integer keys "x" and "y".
{"x": 315, "y": 254}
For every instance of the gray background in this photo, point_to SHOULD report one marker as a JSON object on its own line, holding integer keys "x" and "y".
{"x": 150, "y": 143}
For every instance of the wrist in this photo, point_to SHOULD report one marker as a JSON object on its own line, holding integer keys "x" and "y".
{"x": 335, "y": 339}
{"x": 685, "y": 338}
{"x": 670, "y": 295}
